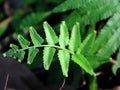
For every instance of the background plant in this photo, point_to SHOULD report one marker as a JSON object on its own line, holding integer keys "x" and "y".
{"x": 94, "y": 49}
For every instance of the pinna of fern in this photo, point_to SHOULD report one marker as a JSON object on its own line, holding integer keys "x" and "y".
{"x": 88, "y": 12}
{"x": 84, "y": 12}
{"x": 69, "y": 48}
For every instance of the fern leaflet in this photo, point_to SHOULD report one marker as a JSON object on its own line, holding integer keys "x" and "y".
{"x": 64, "y": 58}
{"x": 35, "y": 37}
{"x": 75, "y": 39}
{"x": 64, "y": 35}
{"x": 51, "y": 37}
{"x": 48, "y": 54}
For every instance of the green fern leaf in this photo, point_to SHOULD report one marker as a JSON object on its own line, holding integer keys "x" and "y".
{"x": 90, "y": 13}
{"x": 107, "y": 32}
{"x": 15, "y": 53}
{"x": 21, "y": 55}
{"x": 48, "y": 54}
{"x": 75, "y": 39}
{"x": 13, "y": 46}
{"x": 64, "y": 58}
{"x": 87, "y": 44}
{"x": 36, "y": 38}
{"x": 10, "y": 53}
{"x": 112, "y": 45}
{"x": 82, "y": 62}
{"x": 32, "y": 52}
{"x": 64, "y": 36}
{"x": 51, "y": 37}
{"x": 23, "y": 42}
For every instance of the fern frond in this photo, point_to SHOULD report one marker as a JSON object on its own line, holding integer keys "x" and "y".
{"x": 70, "y": 4}
{"x": 65, "y": 49}
{"x": 112, "y": 45}
{"x": 107, "y": 32}
{"x": 89, "y": 14}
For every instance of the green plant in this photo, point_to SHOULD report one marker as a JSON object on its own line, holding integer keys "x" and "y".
{"x": 77, "y": 48}
{"x": 85, "y": 12}
{"x": 81, "y": 52}
{"x": 83, "y": 46}
{"x": 49, "y": 49}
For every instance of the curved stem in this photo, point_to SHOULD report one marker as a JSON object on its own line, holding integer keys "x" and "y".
{"x": 54, "y": 46}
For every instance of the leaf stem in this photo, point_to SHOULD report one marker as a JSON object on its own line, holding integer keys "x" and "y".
{"x": 54, "y": 46}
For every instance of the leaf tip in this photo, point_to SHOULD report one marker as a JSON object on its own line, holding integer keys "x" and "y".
{"x": 28, "y": 62}
{"x": 19, "y": 60}
{"x": 77, "y": 23}
{"x": 63, "y": 22}
{"x": 66, "y": 75}
{"x": 4, "y": 55}
{"x": 11, "y": 45}
{"x": 31, "y": 28}
{"x": 18, "y": 36}
{"x": 46, "y": 67}
{"x": 45, "y": 22}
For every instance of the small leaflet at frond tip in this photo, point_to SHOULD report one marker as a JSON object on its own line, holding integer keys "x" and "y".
{"x": 13, "y": 46}
{"x": 10, "y": 53}
{"x": 21, "y": 55}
